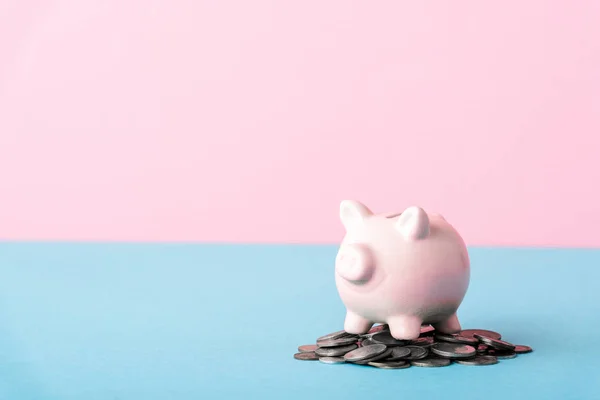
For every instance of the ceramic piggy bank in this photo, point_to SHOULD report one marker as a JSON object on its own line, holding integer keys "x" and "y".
{"x": 404, "y": 269}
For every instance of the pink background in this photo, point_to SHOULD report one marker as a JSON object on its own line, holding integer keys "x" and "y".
{"x": 250, "y": 120}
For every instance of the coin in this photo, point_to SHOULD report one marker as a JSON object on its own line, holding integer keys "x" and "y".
{"x": 483, "y": 332}
{"x": 431, "y": 362}
{"x": 378, "y": 348}
{"x": 390, "y": 364}
{"x": 334, "y": 335}
{"x": 503, "y": 354}
{"x": 332, "y": 360}
{"x": 307, "y": 348}
{"x": 520, "y": 349}
{"x": 367, "y": 342}
{"x": 416, "y": 352}
{"x": 337, "y": 342}
{"x": 335, "y": 351}
{"x": 495, "y": 343}
{"x": 398, "y": 353}
{"x": 378, "y": 328}
{"x": 366, "y": 352}
{"x": 381, "y": 356}
{"x": 444, "y": 337}
{"x": 386, "y": 338}
{"x": 482, "y": 349}
{"x": 479, "y": 360}
{"x": 453, "y": 350}
{"x": 424, "y": 341}
{"x": 306, "y": 356}
{"x": 427, "y": 330}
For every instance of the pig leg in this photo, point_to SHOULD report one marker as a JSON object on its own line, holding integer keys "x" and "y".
{"x": 449, "y": 325}
{"x": 405, "y": 327}
{"x": 356, "y": 324}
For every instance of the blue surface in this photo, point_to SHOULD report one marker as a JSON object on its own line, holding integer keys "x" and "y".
{"x": 159, "y": 321}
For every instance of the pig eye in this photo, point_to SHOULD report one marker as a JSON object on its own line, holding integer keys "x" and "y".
{"x": 394, "y": 215}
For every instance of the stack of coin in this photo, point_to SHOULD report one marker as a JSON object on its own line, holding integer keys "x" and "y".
{"x": 378, "y": 348}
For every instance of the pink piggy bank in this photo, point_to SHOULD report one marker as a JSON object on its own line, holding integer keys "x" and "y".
{"x": 404, "y": 269}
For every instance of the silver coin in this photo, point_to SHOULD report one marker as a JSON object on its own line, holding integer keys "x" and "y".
{"x": 479, "y": 360}
{"x": 521, "y": 349}
{"x": 386, "y": 338}
{"x": 453, "y": 350}
{"x": 332, "y": 360}
{"x": 365, "y": 352}
{"x": 427, "y": 330}
{"x": 382, "y": 356}
{"x": 332, "y": 336}
{"x": 306, "y": 356}
{"x": 398, "y": 353}
{"x": 486, "y": 333}
{"x": 502, "y": 354}
{"x": 367, "y": 342}
{"x": 344, "y": 341}
{"x": 390, "y": 364}
{"x": 307, "y": 348}
{"x": 444, "y": 337}
{"x": 416, "y": 353}
{"x": 495, "y": 343}
{"x": 431, "y": 362}
{"x": 335, "y": 351}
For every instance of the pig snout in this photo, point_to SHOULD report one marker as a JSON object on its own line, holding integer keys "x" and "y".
{"x": 355, "y": 263}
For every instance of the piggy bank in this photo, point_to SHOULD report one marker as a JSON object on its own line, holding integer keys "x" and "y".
{"x": 404, "y": 269}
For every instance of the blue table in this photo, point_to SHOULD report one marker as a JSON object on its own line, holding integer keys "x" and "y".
{"x": 183, "y": 321}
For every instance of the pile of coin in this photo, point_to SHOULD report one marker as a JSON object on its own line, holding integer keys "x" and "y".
{"x": 378, "y": 348}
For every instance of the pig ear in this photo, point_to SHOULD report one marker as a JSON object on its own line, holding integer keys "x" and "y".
{"x": 352, "y": 212}
{"x": 413, "y": 223}
{"x": 438, "y": 215}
